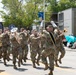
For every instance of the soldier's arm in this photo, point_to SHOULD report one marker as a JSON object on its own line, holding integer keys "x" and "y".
{"x": 29, "y": 39}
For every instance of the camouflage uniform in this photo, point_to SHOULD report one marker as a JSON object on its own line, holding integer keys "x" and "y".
{"x": 48, "y": 51}
{"x": 43, "y": 46}
{"x": 23, "y": 43}
{"x": 26, "y": 43}
{"x": 16, "y": 51}
{"x": 0, "y": 46}
{"x": 43, "y": 41}
{"x": 34, "y": 49}
{"x": 5, "y": 47}
{"x": 59, "y": 47}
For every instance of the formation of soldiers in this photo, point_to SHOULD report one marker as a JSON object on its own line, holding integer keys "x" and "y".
{"x": 43, "y": 45}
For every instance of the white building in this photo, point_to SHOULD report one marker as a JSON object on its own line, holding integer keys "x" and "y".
{"x": 67, "y": 20}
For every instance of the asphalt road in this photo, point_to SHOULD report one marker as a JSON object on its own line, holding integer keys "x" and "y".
{"x": 68, "y": 66}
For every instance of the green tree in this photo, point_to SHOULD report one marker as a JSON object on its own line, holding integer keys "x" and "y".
{"x": 65, "y": 4}
{"x": 22, "y": 14}
{"x": 13, "y": 14}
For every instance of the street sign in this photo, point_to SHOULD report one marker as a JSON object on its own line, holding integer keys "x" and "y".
{"x": 41, "y": 15}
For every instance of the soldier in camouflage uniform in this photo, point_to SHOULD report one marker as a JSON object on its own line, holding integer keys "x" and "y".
{"x": 23, "y": 43}
{"x": 5, "y": 47}
{"x": 34, "y": 47}
{"x": 25, "y": 38}
{"x": 49, "y": 49}
{"x": 42, "y": 43}
{"x": 59, "y": 45}
{"x": 27, "y": 34}
{"x": 0, "y": 46}
{"x": 16, "y": 51}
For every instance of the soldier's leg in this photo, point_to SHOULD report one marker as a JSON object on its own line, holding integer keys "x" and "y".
{"x": 38, "y": 58}
{"x": 62, "y": 51}
{"x": 56, "y": 58}
{"x": 14, "y": 62}
{"x": 8, "y": 53}
{"x": 44, "y": 59}
{"x": 0, "y": 52}
{"x": 33, "y": 58}
{"x": 4, "y": 55}
{"x": 25, "y": 53}
{"x": 51, "y": 64}
{"x": 22, "y": 56}
{"x": 20, "y": 59}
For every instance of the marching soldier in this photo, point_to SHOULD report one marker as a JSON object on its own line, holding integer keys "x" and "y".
{"x": 16, "y": 51}
{"x": 0, "y": 46}
{"x": 16, "y": 48}
{"x": 26, "y": 42}
{"x": 49, "y": 50}
{"x": 59, "y": 45}
{"x": 34, "y": 47}
{"x": 5, "y": 47}
{"x": 59, "y": 36}
{"x": 23, "y": 43}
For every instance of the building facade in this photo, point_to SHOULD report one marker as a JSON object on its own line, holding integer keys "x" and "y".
{"x": 67, "y": 20}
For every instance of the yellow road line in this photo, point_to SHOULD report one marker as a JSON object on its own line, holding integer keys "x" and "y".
{"x": 4, "y": 73}
{"x": 64, "y": 69}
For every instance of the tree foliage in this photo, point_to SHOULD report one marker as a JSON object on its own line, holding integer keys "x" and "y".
{"x": 65, "y": 4}
{"x": 60, "y": 5}
{"x": 15, "y": 13}
{"x": 23, "y": 12}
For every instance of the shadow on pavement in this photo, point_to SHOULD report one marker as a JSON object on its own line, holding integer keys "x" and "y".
{"x": 27, "y": 64}
{"x": 8, "y": 65}
{"x": 2, "y": 71}
{"x": 40, "y": 68}
{"x": 65, "y": 67}
{"x": 21, "y": 69}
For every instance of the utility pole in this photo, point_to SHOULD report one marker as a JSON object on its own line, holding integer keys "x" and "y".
{"x": 44, "y": 13}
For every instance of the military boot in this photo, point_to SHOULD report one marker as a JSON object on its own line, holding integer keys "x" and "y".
{"x": 46, "y": 67}
{"x": 18, "y": 63}
{"x": 60, "y": 61}
{"x": 56, "y": 64}
{"x": 0, "y": 55}
{"x": 15, "y": 67}
{"x": 37, "y": 62}
{"x": 34, "y": 66}
{"x": 5, "y": 63}
{"x": 51, "y": 73}
{"x": 24, "y": 59}
{"x": 8, "y": 59}
{"x": 21, "y": 62}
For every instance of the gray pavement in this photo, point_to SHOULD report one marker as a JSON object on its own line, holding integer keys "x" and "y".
{"x": 68, "y": 66}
